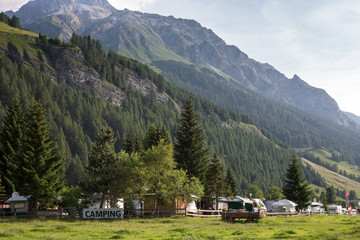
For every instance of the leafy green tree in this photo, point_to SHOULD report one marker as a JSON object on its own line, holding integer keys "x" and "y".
{"x": 330, "y": 195}
{"x": 190, "y": 152}
{"x": 135, "y": 177}
{"x": 3, "y": 195}
{"x": 215, "y": 185}
{"x": 104, "y": 171}
{"x": 10, "y": 146}
{"x": 185, "y": 188}
{"x": 231, "y": 183}
{"x": 255, "y": 192}
{"x": 274, "y": 193}
{"x": 70, "y": 197}
{"x": 160, "y": 164}
{"x": 295, "y": 188}
{"x": 42, "y": 166}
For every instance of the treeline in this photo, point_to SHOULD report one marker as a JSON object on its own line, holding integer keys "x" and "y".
{"x": 77, "y": 117}
{"x": 13, "y": 22}
{"x": 292, "y": 126}
{"x": 332, "y": 167}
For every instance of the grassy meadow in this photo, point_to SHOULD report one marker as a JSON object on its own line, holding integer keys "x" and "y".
{"x": 298, "y": 227}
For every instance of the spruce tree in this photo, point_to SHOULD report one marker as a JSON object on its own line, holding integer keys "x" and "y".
{"x": 215, "y": 181}
{"x": 330, "y": 195}
{"x": 104, "y": 171}
{"x": 3, "y": 195}
{"x": 42, "y": 166}
{"x": 154, "y": 135}
{"x": 128, "y": 143}
{"x": 190, "y": 152}
{"x": 137, "y": 145}
{"x": 10, "y": 146}
{"x": 295, "y": 188}
{"x": 231, "y": 183}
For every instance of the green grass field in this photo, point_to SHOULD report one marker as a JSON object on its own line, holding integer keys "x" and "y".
{"x": 298, "y": 227}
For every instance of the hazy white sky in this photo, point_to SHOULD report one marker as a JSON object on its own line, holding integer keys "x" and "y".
{"x": 319, "y": 40}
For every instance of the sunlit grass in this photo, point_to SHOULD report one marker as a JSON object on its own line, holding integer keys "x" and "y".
{"x": 299, "y": 227}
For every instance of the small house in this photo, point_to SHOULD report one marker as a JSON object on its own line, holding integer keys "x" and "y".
{"x": 19, "y": 205}
{"x": 152, "y": 206}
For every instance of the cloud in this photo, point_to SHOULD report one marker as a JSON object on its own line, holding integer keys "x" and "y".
{"x": 6, "y": 5}
{"x": 130, "y": 4}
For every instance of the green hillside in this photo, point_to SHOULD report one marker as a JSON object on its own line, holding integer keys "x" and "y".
{"x": 291, "y": 125}
{"x": 334, "y": 179}
{"x": 30, "y": 68}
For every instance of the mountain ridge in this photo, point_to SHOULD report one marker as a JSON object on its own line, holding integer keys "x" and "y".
{"x": 151, "y": 37}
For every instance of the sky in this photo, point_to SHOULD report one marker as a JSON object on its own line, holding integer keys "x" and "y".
{"x": 318, "y": 40}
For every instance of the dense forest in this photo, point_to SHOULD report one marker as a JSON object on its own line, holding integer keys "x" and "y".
{"x": 77, "y": 116}
{"x": 293, "y": 126}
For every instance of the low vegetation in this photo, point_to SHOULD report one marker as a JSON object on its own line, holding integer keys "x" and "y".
{"x": 299, "y": 227}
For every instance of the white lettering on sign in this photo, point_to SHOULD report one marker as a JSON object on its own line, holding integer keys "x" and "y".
{"x": 99, "y": 213}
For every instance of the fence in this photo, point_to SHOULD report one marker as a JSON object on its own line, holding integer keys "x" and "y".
{"x": 205, "y": 213}
{"x": 60, "y": 214}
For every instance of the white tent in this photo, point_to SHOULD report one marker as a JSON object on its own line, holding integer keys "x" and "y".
{"x": 283, "y": 205}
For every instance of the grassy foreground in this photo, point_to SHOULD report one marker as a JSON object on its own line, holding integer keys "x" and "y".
{"x": 299, "y": 227}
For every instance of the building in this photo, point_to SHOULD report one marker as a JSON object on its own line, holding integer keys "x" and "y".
{"x": 19, "y": 205}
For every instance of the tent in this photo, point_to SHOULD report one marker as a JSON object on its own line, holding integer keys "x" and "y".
{"x": 283, "y": 205}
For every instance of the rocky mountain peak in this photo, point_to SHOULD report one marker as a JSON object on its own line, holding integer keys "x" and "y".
{"x": 88, "y": 9}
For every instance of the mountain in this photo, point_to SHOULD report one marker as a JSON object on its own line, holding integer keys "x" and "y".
{"x": 151, "y": 37}
{"x": 84, "y": 89}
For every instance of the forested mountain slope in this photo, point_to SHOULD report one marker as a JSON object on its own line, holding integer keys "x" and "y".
{"x": 151, "y": 37}
{"x": 194, "y": 58}
{"x": 84, "y": 89}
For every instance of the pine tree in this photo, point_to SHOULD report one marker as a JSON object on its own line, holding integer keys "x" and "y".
{"x": 190, "y": 152}
{"x": 153, "y": 136}
{"x": 215, "y": 181}
{"x": 295, "y": 188}
{"x": 104, "y": 171}
{"x": 3, "y": 195}
{"x": 10, "y": 146}
{"x": 42, "y": 166}
{"x": 330, "y": 195}
{"x": 137, "y": 146}
{"x": 128, "y": 143}
{"x": 15, "y": 22}
{"x": 231, "y": 183}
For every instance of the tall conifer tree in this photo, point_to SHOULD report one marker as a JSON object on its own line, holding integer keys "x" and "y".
{"x": 190, "y": 152}
{"x": 231, "y": 183}
{"x": 295, "y": 188}
{"x": 104, "y": 171}
{"x": 3, "y": 195}
{"x": 42, "y": 166}
{"x": 215, "y": 185}
{"x": 10, "y": 146}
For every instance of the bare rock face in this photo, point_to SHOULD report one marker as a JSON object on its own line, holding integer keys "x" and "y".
{"x": 71, "y": 69}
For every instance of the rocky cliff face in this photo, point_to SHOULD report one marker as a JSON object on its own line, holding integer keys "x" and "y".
{"x": 69, "y": 67}
{"x": 151, "y": 37}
